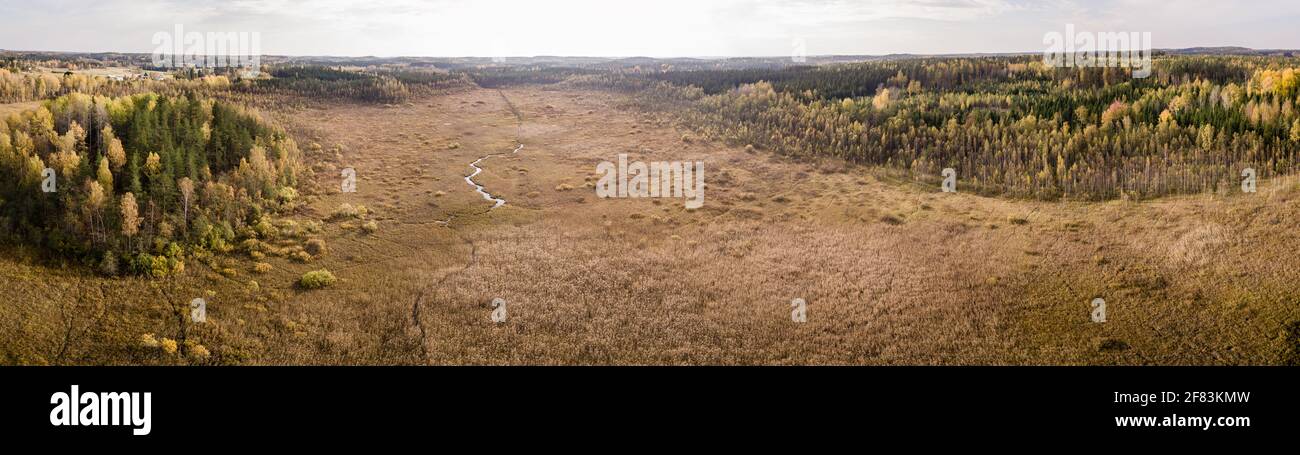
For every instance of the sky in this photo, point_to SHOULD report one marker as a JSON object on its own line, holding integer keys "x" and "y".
{"x": 652, "y": 28}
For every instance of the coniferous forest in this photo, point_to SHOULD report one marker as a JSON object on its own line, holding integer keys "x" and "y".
{"x": 1008, "y": 125}
{"x": 127, "y": 183}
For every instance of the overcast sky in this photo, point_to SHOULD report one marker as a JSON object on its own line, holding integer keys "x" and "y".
{"x": 655, "y": 28}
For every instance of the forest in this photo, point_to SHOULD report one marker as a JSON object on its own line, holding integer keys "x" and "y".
{"x": 1008, "y": 125}
{"x": 132, "y": 184}
{"x": 389, "y": 86}
{"x": 130, "y": 177}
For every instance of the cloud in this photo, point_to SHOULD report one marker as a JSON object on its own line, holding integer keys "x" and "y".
{"x": 814, "y": 12}
{"x": 624, "y": 28}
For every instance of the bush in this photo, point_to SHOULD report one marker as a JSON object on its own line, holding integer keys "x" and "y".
{"x": 370, "y": 227}
{"x": 300, "y": 256}
{"x": 251, "y": 245}
{"x": 345, "y": 211}
{"x": 315, "y": 247}
{"x": 168, "y": 345}
{"x": 287, "y": 194}
{"x": 265, "y": 229}
{"x": 108, "y": 266}
{"x": 317, "y": 279}
{"x": 261, "y": 267}
{"x": 289, "y": 228}
{"x": 199, "y": 352}
{"x": 155, "y": 266}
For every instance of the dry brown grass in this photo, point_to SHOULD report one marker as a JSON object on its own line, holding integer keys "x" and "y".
{"x": 893, "y": 273}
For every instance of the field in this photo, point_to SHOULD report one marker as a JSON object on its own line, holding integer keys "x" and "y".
{"x": 893, "y": 271}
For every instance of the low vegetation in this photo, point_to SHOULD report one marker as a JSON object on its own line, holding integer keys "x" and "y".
{"x": 317, "y": 279}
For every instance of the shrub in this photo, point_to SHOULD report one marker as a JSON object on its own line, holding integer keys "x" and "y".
{"x": 315, "y": 247}
{"x": 370, "y": 227}
{"x": 289, "y": 228}
{"x": 287, "y": 194}
{"x": 168, "y": 345}
{"x": 261, "y": 267}
{"x": 265, "y": 229}
{"x": 317, "y": 279}
{"x": 108, "y": 266}
{"x": 250, "y": 245}
{"x": 155, "y": 266}
{"x": 199, "y": 352}
{"x": 345, "y": 211}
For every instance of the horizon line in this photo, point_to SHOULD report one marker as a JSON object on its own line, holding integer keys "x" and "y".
{"x": 625, "y": 57}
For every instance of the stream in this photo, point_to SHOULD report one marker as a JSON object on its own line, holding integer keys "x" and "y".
{"x": 479, "y": 188}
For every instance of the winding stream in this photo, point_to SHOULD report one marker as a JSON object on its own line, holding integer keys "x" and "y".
{"x": 479, "y": 188}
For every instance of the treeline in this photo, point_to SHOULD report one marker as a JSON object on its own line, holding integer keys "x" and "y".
{"x": 131, "y": 184}
{"x": 970, "y": 75}
{"x": 1011, "y": 126}
{"x": 27, "y": 86}
{"x": 380, "y": 86}
{"x": 851, "y": 80}
{"x": 502, "y": 76}
{"x": 18, "y": 87}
